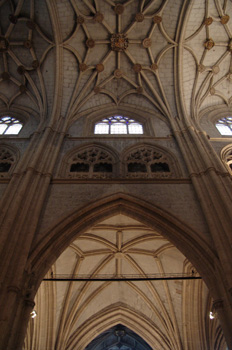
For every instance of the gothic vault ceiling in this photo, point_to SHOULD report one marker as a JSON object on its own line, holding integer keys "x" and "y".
{"x": 66, "y": 58}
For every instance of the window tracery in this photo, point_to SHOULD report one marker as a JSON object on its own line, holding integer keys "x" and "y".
{"x": 7, "y": 159}
{"x": 147, "y": 162}
{"x": 118, "y": 125}
{"x": 224, "y": 126}
{"x": 92, "y": 162}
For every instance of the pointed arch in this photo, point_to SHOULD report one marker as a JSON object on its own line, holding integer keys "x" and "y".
{"x": 59, "y": 237}
{"x": 115, "y": 314}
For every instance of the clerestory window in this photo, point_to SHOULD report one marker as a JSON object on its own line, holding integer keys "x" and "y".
{"x": 10, "y": 125}
{"x": 118, "y": 125}
{"x": 224, "y": 126}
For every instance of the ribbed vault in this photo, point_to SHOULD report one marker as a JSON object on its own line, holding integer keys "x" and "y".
{"x": 162, "y": 56}
{"x": 174, "y": 313}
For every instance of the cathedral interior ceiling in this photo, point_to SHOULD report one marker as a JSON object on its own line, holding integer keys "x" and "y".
{"x": 60, "y": 58}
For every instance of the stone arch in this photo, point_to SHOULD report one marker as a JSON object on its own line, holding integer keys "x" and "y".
{"x": 118, "y": 313}
{"x": 142, "y": 115}
{"x": 59, "y": 237}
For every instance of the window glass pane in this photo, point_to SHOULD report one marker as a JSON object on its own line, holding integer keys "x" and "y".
{"x": 14, "y": 129}
{"x": 135, "y": 128}
{"x": 2, "y": 128}
{"x": 101, "y": 128}
{"x": 118, "y": 128}
{"x": 224, "y": 129}
{"x": 118, "y": 125}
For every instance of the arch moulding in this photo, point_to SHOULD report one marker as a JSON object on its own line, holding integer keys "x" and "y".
{"x": 117, "y": 314}
{"x": 59, "y": 237}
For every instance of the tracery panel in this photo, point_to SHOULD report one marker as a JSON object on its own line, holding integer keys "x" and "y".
{"x": 91, "y": 162}
{"x": 7, "y": 161}
{"x": 147, "y": 161}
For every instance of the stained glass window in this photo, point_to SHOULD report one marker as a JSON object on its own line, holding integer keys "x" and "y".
{"x": 10, "y": 126}
{"x": 118, "y": 125}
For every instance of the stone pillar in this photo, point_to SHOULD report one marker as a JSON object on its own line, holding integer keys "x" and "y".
{"x": 213, "y": 187}
{"x": 21, "y": 208}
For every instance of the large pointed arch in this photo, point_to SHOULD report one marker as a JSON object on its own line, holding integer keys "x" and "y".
{"x": 59, "y": 237}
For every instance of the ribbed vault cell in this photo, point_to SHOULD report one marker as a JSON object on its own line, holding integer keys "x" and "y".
{"x": 118, "y": 338}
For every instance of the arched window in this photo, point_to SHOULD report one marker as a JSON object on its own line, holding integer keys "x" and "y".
{"x": 224, "y": 126}
{"x": 9, "y": 125}
{"x": 118, "y": 125}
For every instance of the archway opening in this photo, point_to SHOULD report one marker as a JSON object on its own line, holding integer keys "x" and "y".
{"x": 165, "y": 313}
{"x": 118, "y": 337}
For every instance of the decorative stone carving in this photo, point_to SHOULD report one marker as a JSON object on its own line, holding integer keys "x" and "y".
{"x": 212, "y": 91}
{"x": 27, "y": 44}
{"x": 137, "y": 68}
{"x": 97, "y": 89}
{"x": 4, "y": 44}
{"x": 35, "y": 64}
{"x": 21, "y": 70}
{"x": 80, "y": 20}
{"x": 119, "y": 42}
{"x": 118, "y": 73}
{"x": 83, "y": 67}
{"x": 154, "y": 67}
{"x": 201, "y": 68}
{"x": 147, "y": 43}
{"x": 157, "y": 19}
{"x": 208, "y": 21}
{"x": 99, "y": 67}
{"x": 92, "y": 162}
{"x": 139, "y": 17}
{"x": 99, "y": 17}
{"x": 209, "y": 44}
{"x": 215, "y": 69}
{"x": 118, "y": 9}
{"x": 146, "y": 162}
{"x": 140, "y": 90}
{"x": 225, "y": 19}
{"x": 90, "y": 43}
